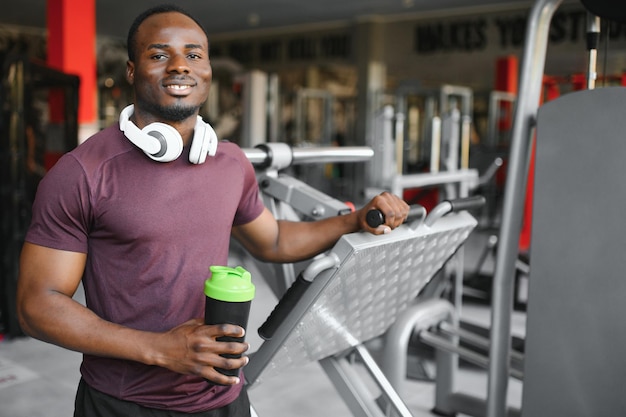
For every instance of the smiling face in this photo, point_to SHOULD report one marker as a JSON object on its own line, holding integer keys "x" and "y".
{"x": 171, "y": 72}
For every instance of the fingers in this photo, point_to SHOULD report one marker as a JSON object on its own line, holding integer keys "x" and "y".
{"x": 222, "y": 353}
{"x": 393, "y": 208}
{"x": 214, "y": 330}
{"x": 208, "y": 351}
{"x": 224, "y": 369}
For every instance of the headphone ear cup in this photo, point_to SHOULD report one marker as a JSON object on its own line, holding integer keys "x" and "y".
{"x": 199, "y": 144}
{"x": 170, "y": 140}
{"x": 204, "y": 142}
{"x": 212, "y": 140}
{"x": 160, "y": 141}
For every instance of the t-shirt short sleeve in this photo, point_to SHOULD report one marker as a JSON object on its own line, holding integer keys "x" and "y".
{"x": 251, "y": 206}
{"x": 61, "y": 210}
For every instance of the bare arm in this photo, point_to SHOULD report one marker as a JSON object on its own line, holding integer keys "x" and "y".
{"x": 286, "y": 241}
{"x": 47, "y": 281}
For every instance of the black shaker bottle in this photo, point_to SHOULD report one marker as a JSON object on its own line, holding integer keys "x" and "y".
{"x": 229, "y": 293}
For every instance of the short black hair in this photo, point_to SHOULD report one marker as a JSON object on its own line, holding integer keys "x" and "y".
{"x": 163, "y": 8}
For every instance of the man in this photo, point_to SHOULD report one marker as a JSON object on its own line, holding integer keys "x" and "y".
{"x": 141, "y": 235}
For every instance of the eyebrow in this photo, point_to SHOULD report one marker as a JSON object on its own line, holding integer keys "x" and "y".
{"x": 165, "y": 46}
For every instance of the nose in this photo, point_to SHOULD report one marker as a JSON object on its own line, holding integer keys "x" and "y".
{"x": 178, "y": 63}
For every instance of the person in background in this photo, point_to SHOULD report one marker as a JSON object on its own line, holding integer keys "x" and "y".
{"x": 140, "y": 231}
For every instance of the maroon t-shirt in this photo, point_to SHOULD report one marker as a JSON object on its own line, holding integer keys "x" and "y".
{"x": 150, "y": 231}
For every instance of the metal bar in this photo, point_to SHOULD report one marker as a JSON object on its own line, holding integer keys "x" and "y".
{"x": 473, "y": 338}
{"x": 332, "y": 154}
{"x": 382, "y": 382}
{"x": 531, "y": 70}
{"x": 438, "y": 212}
{"x": 435, "y": 146}
{"x": 465, "y": 93}
{"x": 466, "y": 137}
{"x": 444, "y": 344}
{"x": 495, "y": 112}
{"x": 469, "y": 355}
{"x": 255, "y": 155}
{"x": 350, "y": 387}
{"x": 301, "y": 196}
{"x": 490, "y": 171}
{"x": 315, "y": 155}
{"x": 418, "y": 317}
{"x": 593, "y": 35}
{"x": 452, "y": 360}
{"x": 445, "y": 381}
{"x": 462, "y": 176}
{"x": 399, "y": 138}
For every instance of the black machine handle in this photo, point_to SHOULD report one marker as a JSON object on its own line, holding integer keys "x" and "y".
{"x": 467, "y": 203}
{"x": 451, "y": 206}
{"x": 375, "y": 217}
{"x": 285, "y": 305}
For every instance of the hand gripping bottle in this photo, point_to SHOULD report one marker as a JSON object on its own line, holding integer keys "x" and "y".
{"x": 229, "y": 293}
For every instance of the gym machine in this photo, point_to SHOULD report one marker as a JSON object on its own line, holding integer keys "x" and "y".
{"x": 290, "y": 198}
{"x": 556, "y": 348}
{"x": 307, "y": 101}
{"x": 434, "y": 319}
{"x": 574, "y": 356}
{"x": 354, "y": 292}
{"x": 497, "y": 101}
{"x": 323, "y": 119}
{"x": 547, "y": 364}
{"x": 28, "y": 146}
{"x": 445, "y": 115}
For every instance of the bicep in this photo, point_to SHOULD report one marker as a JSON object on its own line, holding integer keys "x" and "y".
{"x": 260, "y": 236}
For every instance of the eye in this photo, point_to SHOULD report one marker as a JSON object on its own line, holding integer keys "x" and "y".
{"x": 194, "y": 55}
{"x": 158, "y": 57}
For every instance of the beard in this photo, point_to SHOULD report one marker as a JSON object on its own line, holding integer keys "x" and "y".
{"x": 172, "y": 113}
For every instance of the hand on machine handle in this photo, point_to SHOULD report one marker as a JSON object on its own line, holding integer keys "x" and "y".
{"x": 376, "y": 217}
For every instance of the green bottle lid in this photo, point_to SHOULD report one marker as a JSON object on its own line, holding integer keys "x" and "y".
{"x": 229, "y": 284}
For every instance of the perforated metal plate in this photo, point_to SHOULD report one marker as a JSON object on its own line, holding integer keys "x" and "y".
{"x": 377, "y": 278}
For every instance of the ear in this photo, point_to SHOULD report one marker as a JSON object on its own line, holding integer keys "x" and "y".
{"x": 130, "y": 72}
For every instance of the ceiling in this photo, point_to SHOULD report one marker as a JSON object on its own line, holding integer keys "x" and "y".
{"x": 113, "y": 17}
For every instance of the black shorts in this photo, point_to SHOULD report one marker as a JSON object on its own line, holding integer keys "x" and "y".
{"x": 93, "y": 403}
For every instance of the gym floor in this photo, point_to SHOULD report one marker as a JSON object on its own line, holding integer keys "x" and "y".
{"x": 38, "y": 379}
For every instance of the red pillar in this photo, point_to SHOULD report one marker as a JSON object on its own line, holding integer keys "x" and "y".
{"x": 507, "y": 69}
{"x": 72, "y": 49}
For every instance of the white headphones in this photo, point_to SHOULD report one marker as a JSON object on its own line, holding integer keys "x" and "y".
{"x": 163, "y": 143}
